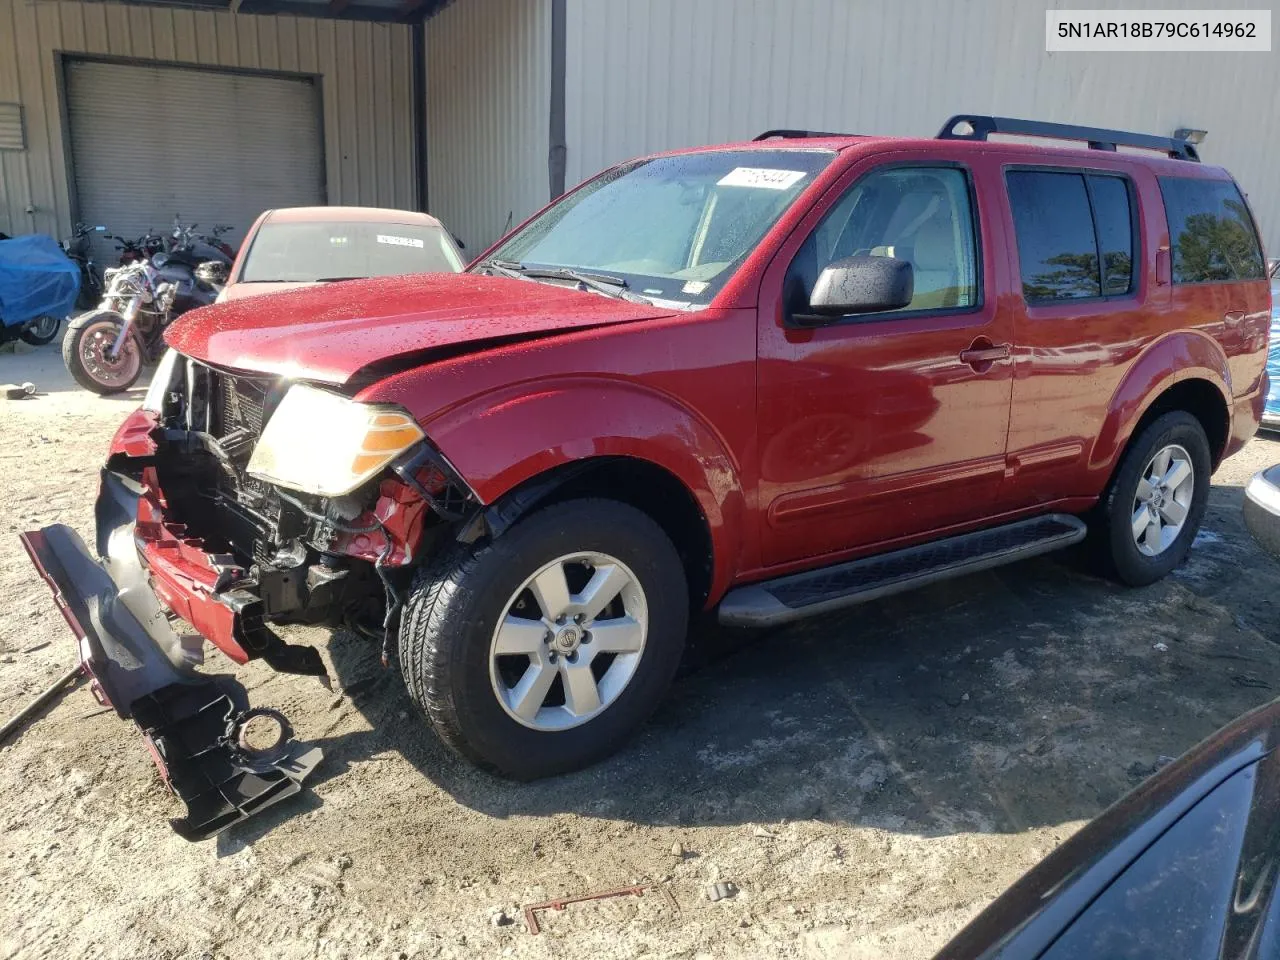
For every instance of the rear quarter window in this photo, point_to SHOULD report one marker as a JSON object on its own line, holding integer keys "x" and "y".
{"x": 1211, "y": 234}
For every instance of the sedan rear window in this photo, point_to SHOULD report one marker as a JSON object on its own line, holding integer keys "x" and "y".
{"x": 343, "y": 250}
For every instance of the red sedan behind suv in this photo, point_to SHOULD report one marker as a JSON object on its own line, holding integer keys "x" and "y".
{"x": 768, "y": 379}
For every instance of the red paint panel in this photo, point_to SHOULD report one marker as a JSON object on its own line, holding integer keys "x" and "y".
{"x": 328, "y": 332}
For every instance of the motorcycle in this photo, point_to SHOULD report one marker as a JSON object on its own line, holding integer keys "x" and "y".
{"x": 77, "y": 249}
{"x": 144, "y": 247}
{"x": 203, "y": 246}
{"x": 106, "y": 348}
{"x": 38, "y": 287}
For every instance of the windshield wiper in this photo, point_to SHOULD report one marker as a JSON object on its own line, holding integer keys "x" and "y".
{"x": 505, "y": 268}
{"x": 337, "y": 279}
{"x": 607, "y": 284}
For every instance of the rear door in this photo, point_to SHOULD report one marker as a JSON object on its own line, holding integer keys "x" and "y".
{"x": 1086, "y": 305}
{"x": 881, "y": 426}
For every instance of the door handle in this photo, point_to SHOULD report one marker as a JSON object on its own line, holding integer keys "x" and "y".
{"x": 1233, "y": 318}
{"x": 982, "y": 353}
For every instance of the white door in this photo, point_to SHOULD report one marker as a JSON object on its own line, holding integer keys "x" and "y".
{"x": 210, "y": 146}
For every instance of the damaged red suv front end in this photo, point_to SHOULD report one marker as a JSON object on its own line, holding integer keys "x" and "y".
{"x": 188, "y": 539}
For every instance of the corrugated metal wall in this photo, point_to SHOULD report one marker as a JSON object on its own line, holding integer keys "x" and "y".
{"x": 644, "y": 76}
{"x": 488, "y": 96}
{"x": 366, "y": 81}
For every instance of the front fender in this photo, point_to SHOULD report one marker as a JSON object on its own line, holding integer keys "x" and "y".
{"x": 1179, "y": 356}
{"x": 500, "y": 439}
{"x": 76, "y": 323}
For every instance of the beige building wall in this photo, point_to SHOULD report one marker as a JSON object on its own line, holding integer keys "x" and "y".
{"x": 488, "y": 98}
{"x": 646, "y": 76}
{"x": 364, "y": 71}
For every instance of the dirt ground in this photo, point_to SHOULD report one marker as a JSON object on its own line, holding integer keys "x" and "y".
{"x": 868, "y": 781}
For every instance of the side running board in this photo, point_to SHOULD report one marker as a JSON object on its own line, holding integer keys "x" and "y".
{"x": 801, "y": 595}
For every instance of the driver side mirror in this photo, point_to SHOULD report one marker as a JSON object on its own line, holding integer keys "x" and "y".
{"x": 861, "y": 284}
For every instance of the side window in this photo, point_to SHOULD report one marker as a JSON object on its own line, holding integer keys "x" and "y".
{"x": 1075, "y": 234}
{"x": 1113, "y": 217}
{"x": 1210, "y": 230}
{"x": 1173, "y": 900}
{"x": 920, "y": 214}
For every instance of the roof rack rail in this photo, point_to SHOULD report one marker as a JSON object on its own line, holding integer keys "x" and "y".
{"x": 784, "y": 134}
{"x": 980, "y": 127}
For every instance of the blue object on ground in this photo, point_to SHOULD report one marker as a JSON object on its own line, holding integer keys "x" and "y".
{"x": 36, "y": 280}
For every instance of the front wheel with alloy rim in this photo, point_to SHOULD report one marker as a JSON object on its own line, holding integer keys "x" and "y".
{"x": 1153, "y": 508}
{"x": 88, "y": 351}
{"x": 541, "y": 651}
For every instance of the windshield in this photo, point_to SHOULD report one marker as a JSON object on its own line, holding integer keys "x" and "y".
{"x": 335, "y": 250}
{"x": 674, "y": 228}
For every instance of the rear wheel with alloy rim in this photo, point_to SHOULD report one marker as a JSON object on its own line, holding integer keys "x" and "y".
{"x": 1157, "y": 498}
{"x": 541, "y": 651}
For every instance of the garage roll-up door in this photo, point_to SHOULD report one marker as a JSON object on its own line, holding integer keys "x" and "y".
{"x": 149, "y": 143}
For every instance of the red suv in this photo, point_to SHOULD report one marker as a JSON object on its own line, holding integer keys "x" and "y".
{"x": 766, "y": 379}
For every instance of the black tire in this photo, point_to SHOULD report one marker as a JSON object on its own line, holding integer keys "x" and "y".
{"x": 36, "y": 339}
{"x": 452, "y": 612}
{"x": 73, "y": 345}
{"x": 1115, "y": 547}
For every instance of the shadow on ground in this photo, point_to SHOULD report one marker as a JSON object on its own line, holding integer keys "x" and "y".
{"x": 1031, "y": 695}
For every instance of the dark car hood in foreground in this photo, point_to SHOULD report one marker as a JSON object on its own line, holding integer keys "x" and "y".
{"x": 329, "y": 332}
{"x": 1032, "y": 914}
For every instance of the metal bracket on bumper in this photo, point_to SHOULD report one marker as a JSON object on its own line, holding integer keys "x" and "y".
{"x": 193, "y": 723}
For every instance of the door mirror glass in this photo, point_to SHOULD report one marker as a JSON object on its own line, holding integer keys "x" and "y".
{"x": 862, "y": 284}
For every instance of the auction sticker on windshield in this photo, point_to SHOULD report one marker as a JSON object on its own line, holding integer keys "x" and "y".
{"x": 400, "y": 241}
{"x": 760, "y": 177}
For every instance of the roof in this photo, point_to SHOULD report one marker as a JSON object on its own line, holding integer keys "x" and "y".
{"x": 1047, "y": 151}
{"x": 350, "y": 215}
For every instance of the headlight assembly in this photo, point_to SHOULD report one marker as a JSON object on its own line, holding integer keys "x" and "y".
{"x": 325, "y": 444}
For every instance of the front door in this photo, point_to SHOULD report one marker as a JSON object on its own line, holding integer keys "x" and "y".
{"x": 878, "y": 427}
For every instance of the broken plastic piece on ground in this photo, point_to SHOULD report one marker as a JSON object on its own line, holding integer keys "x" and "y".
{"x": 531, "y": 910}
{"x": 196, "y": 725}
{"x": 197, "y": 732}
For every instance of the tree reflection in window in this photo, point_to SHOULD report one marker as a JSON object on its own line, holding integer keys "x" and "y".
{"x": 1066, "y": 224}
{"x": 1212, "y": 234}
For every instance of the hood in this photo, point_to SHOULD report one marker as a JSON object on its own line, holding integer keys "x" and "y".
{"x": 329, "y": 332}
{"x": 238, "y": 291}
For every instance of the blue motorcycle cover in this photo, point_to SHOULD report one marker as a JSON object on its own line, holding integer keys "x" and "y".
{"x": 36, "y": 280}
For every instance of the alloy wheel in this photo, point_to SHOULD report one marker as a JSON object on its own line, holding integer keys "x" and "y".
{"x": 1163, "y": 500}
{"x": 569, "y": 641}
{"x": 44, "y": 327}
{"x": 95, "y": 355}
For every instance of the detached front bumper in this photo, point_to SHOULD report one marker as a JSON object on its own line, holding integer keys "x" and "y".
{"x": 225, "y": 760}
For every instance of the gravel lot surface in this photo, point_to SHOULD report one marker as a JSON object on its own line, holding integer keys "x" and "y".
{"x": 867, "y": 782}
